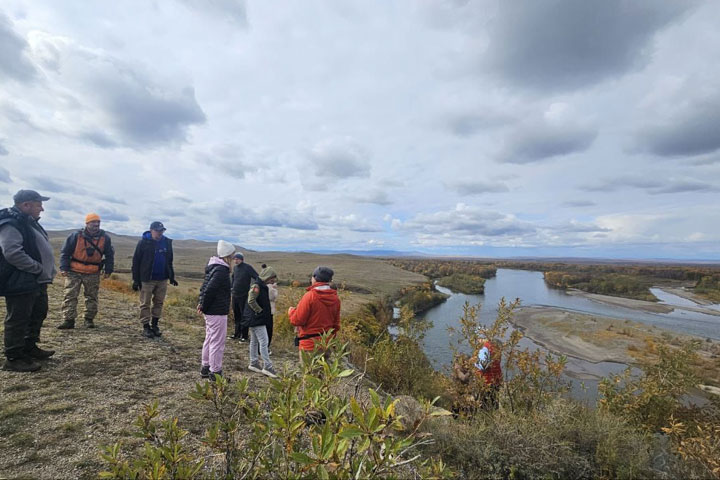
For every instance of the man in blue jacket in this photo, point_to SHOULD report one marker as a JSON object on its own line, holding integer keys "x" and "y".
{"x": 27, "y": 266}
{"x": 152, "y": 268}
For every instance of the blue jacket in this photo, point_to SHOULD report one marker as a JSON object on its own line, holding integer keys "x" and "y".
{"x": 144, "y": 260}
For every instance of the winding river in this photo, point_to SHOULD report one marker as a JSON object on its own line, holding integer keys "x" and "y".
{"x": 530, "y": 287}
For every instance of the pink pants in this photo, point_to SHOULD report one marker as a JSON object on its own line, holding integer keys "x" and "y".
{"x": 214, "y": 345}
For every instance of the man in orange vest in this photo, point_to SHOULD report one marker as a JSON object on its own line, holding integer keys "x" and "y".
{"x": 84, "y": 256}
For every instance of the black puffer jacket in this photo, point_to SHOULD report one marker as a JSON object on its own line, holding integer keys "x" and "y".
{"x": 215, "y": 290}
{"x": 252, "y": 319}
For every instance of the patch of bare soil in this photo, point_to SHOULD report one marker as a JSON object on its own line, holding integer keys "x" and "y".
{"x": 640, "y": 304}
{"x": 53, "y": 422}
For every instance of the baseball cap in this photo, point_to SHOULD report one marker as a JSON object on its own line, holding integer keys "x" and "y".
{"x": 157, "y": 226}
{"x": 28, "y": 196}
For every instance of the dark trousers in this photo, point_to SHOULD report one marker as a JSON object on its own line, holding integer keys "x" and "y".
{"x": 269, "y": 328}
{"x": 25, "y": 316}
{"x": 238, "y": 304}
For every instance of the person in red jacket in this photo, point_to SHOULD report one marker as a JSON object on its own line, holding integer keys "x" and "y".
{"x": 488, "y": 368}
{"x": 317, "y": 312}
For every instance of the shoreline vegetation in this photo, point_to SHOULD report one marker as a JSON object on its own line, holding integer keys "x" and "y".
{"x": 463, "y": 283}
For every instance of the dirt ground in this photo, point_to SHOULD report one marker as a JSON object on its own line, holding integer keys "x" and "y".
{"x": 53, "y": 422}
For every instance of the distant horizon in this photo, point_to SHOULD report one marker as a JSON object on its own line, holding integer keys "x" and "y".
{"x": 411, "y": 253}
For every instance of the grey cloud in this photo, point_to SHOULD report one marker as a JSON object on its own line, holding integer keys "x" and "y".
{"x": 227, "y": 159}
{"x": 129, "y": 107}
{"x": 470, "y": 187}
{"x": 576, "y": 227}
{"x": 683, "y": 186}
{"x": 468, "y": 124}
{"x": 14, "y": 114}
{"x": 57, "y": 204}
{"x": 377, "y": 197}
{"x": 566, "y": 44}
{"x": 13, "y": 62}
{"x": 232, "y": 213}
{"x": 111, "y": 215}
{"x": 50, "y": 185}
{"x": 4, "y": 175}
{"x": 690, "y": 129}
{"x": 64, "y": 186}
{"x": 3, "y": 150}
{"x": 468, "y": 221}
{"x": 231, "y": 10}
{"x": 144, "y": 116}
{"x": 533, "y": 142}
{"x": 339, "y": 159}
{"x": 351, "y": 222}
{"x": 579, "y": 203}
{"x": 653, "y": 187}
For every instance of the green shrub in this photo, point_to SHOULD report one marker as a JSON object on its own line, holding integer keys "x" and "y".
{"x": 298, "y": 427}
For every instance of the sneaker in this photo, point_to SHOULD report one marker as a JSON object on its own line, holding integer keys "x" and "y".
{"x": 270, "y": 372}
{"x": 23, "y": 364}
{"x": 66, "y": 325}
{"x": 205, "y": 371}
{"x": 147, "y": 332}
{"x": 243, "y": 339}
{"x": 39, "y": 354}
{"x": 255, "y": 367}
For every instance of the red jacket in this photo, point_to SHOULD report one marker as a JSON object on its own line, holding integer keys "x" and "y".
{"x": 492, "y": 374}
{"x": 317, "y": 312}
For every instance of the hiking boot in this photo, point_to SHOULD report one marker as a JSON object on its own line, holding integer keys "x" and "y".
{"x": 89, "y": 324}
{"x": 66, "y": 325}
{"x": 147, "y": 332}
{"x": 40, "y": 354}
{"x": 156, "y": 331}
{"x": 23, "y": 364}
{"x": 255, "y": 367}
{"x": 205, "y": 371}
{"x": 269, "y": 371}
{"x": 219, "y": 374}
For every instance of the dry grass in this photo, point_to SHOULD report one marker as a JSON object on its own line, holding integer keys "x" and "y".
{"x": 52, "y": 422}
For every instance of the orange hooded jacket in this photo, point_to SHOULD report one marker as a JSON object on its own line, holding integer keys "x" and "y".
{"x": 317, "y": 312}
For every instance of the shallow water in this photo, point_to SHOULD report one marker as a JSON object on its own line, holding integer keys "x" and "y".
{"x": 530, "y": 287}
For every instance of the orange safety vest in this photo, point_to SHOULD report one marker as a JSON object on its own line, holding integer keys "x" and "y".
{"x": 81, "y": 262}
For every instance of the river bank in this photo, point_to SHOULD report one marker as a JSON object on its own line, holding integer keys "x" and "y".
{"x": 646, "y": 306}
{"x": 595, "y": 338}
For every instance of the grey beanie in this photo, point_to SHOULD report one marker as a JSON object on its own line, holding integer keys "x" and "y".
{"x": 323, "y": 274}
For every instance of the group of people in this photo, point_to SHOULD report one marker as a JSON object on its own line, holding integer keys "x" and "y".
{"x": 27, "y": 267}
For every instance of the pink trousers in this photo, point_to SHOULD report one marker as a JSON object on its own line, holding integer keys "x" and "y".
{"x": 214, "y": 345}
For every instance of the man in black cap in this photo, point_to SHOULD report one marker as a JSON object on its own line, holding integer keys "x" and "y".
{"x": 243, "y": 274}
{"x": 27, "y": 266}
{"x": 152, "y": 268}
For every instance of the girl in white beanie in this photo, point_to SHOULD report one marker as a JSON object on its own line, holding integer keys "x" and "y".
{"x": 214, "y": 304}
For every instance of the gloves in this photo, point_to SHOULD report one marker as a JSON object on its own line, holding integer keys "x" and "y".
{"x": 173, "y": 283}
{"x": 136, "y": 286}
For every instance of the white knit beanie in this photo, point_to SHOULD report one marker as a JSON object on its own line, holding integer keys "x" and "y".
{"x": 225, "y": 248}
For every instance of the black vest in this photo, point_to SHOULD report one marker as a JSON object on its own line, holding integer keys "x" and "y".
{"x": 12, "y": 280}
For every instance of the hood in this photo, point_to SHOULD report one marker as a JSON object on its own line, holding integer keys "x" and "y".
{"x": 217, "y": 261}
{"x": 148, "y": 236}
{"x": 325, "y": 293}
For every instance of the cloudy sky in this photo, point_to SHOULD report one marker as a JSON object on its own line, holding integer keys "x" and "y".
{"x": 491, "y": 128}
